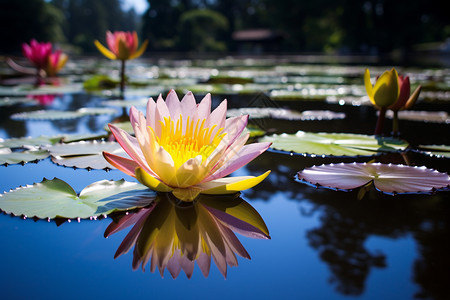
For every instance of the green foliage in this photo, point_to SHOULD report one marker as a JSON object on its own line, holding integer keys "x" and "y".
{"x": 24, "y": 20}
{"x": 200, "y": 30}
{"x": 55, "y": 198}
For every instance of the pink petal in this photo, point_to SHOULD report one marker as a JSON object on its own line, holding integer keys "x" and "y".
{"x": 173, "y": 104}
{"x": 204, "y": 108}
{"x": 243, "y": 157}
{"x": 161, "y": 112}
{"x": 234, "y": 127}
{"x": 123, "y": 164}
{"x": 151, "y": 112}
{"x": 131, "y": 146}
{"x": 219, "y": 115}
{"x": 188, "y": 107}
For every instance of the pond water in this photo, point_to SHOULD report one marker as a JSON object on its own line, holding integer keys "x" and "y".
{"x": 324, "y": 244}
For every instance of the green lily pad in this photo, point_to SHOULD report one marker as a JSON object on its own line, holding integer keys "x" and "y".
{"x": 62, "y": 115}
{"x": 337, "y": 144}
{"x": 122, "y": 125}
{"x": 85, "y": 154}
{"x": 421, "y": 116}
{"x": 29, "y": 141}
{"x": 436, "y": 150}
{"x": 69, "y": 138}
{"x": 9, "y": 157}
{"x": 7, "y": 101}
{"x": 54, "y": 198}
{"x": 126, "y": 103}
{"x": 285, "y": 114}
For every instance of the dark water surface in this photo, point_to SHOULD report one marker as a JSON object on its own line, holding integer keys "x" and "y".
{"x": 324, "y": 244}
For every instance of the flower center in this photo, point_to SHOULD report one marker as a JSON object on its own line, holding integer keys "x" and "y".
{"x": 186, "y": 143}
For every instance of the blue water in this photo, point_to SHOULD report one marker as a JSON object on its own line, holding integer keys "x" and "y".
{"x": 324, "y": 244}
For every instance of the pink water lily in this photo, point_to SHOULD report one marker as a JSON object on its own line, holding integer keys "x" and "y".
{"x": 56, "y": 61}
{"x": 122, "y": 45}
{"x": 42, "y": 57}
{"x": 405, "y": 100}
{"x": 37, "y": 53}
{"x": 184, "y": 148}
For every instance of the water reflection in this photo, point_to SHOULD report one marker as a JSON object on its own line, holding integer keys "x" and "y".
{"x": 347, "y": 224}
{"x": 173, "y": 234}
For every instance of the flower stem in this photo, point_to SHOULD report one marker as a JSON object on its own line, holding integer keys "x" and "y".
{"x": 395, "y": 124}
{"x": 380, "y": 122}
{"x": 122, "y": 79}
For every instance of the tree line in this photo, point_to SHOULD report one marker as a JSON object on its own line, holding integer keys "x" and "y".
{"x": 343, "y": 26}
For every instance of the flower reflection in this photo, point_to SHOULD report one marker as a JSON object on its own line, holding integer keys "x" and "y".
{"x": 174, "y": 234}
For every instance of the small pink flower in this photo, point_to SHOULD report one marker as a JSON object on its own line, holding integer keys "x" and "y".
{"x": 405, "y": 100}
{"x": 122, "y": 45}
{"x": 37, "y": 53}
{"x": 56, "y": 62}
{"x": 41, "y": 55}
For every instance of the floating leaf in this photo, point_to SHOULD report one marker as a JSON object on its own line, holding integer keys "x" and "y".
{"x": 283, "y": 113}
{"x": 338, "y": 144}
{"x": 84, "y": 154}
{"x": 62, "y": 115}
{"x": 7, "y": 156}
{"x": 387, "y": 178}
{"x": 125, "y": 103}
{"x": 422, "y": 116}
{"x": 29, "y": 141}
{"x": 122, "y": 125}
{"x": 69, "y": 138}
{"x": 55, "y": 198}
{"x": 436, "y": 150}
{"x": 7, "y": 101}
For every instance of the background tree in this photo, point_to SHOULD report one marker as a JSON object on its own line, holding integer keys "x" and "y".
{"x": 24, "y": 20}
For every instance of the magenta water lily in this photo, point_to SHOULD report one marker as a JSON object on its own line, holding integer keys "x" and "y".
{"x": 183, "y": 148}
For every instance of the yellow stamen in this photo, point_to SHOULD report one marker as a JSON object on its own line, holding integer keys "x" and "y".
{"x": 196, "y": 139}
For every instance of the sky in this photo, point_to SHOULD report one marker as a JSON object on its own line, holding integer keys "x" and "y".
{"x": 139, "y": 5}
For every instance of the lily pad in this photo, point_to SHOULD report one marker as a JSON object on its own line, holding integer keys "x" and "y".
{"x": 7, "y": 101}
{"x": 285, "y": 114}
{"x": 388, "y": 178}
{"x": 29, "y": 141}
{"x": 54, "y": 198}
{"x": 62, "y": 115}
{"x": 337, "y": 144}
{"x": 126, "y": 103}
{"x": 9, "y": 157}
{"x": 436, "y": 150}
{"x": 421, "y": 116}
{"x": 122, "y": 125}
{"x": 85, "y": 154}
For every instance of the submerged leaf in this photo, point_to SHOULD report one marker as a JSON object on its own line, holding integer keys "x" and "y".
{"x": 388, "y": 178}
{"x": 55, "y": 198}
{"x": 338, "y": 144}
